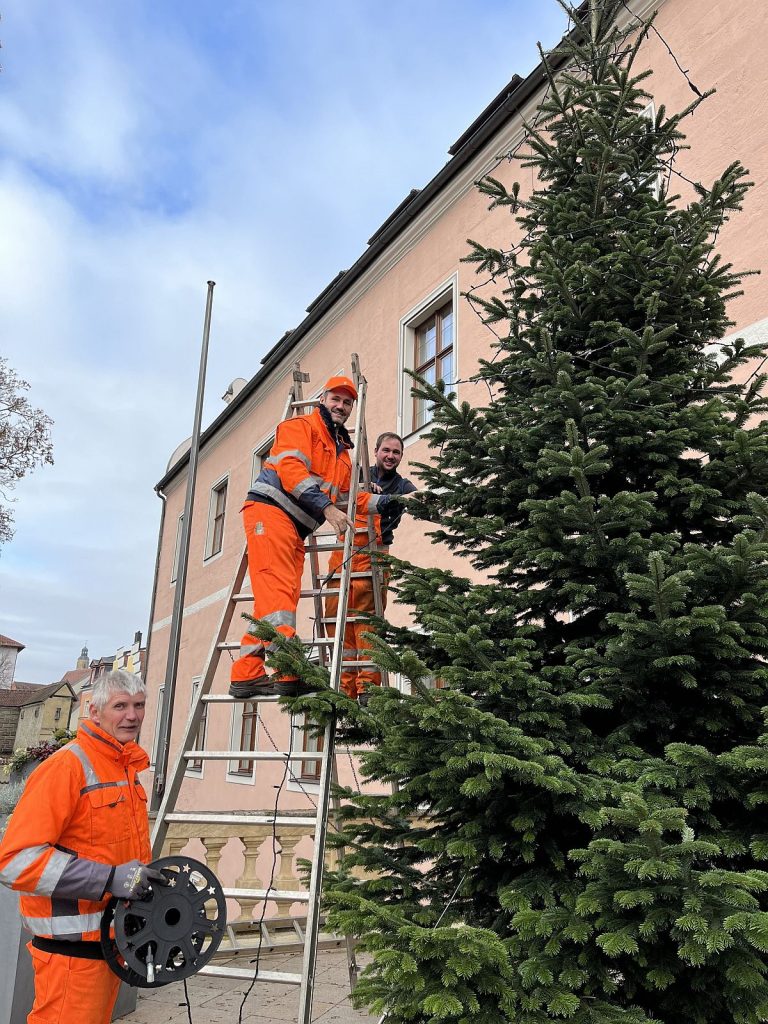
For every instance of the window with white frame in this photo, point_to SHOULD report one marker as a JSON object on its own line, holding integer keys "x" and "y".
{"x": 244, "y": 733}
{"x": 428, "y": 347}
{"x": 214, "y": 540}
{"x": 259, "y": 454}
{"x": 195, "y": 767}
{"x": 177, "y": 548}
{"x": 312, "y": 741}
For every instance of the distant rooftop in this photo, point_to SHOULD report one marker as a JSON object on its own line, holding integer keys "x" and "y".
{"x": 5, "y": 641}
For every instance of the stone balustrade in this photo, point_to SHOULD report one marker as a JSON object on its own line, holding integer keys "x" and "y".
{"x": 264, "y": 853}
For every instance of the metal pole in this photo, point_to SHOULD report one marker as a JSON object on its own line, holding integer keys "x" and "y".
{"x": 166, "y": 712}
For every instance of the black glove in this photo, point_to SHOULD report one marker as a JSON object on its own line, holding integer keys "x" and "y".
{"x": 134, "y": 880}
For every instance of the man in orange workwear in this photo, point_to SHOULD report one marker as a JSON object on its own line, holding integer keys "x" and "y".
{"x": 304, "y": 482}
{"x": 78, "y": 835}
{"x": 388, "y": 454}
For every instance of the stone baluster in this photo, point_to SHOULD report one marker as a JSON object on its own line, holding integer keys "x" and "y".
{"x": 213, "y": 847}
{"x": 289, "y": 839}
{"x": 249, "y": 879}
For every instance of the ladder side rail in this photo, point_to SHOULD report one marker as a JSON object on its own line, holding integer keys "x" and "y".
{"x": 324, "y": 787}
{"x": 173, "y": 786}
{"x": 376, "y": 574}
{"x": 314, "y": 562}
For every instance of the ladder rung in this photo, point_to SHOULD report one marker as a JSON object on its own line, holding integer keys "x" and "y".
{"x": 224, "y": 698}
{"x": 296, "y": 895}
{"x": 349, "y": 618}
{"x": 252, "y": 755}
{"x": 207, "y": 818}
{"x": 243, "y": 974}
{"x": 234, "y": 645}
{"x": 360, "y": 664}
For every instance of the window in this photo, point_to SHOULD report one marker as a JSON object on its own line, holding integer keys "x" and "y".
{"x": 37, "y": 712}
{"x": 310, "y": 770}
{"x": 22, "y": 712}
{"x": 215, "y": 539}
{"x": 259, "y": 454}
{"x": 196, "y": 766}
{"x": 57, "y": 716}
{"x": 177, "y": 548}
{"x": 433, "y": 356}
{"x": 428, "y": 348}
{"x": 244, "y": 738}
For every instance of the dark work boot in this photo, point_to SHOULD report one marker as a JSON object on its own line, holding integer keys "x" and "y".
{"x": 287, "y": 687}
{"x": 253, "y": 689}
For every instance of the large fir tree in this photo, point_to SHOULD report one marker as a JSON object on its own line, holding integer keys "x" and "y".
{"x": 577, "y": 824}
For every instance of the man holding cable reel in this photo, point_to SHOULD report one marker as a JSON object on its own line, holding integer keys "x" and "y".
{"x": 78, "y": 836}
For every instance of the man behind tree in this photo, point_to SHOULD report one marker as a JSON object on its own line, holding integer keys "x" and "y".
{"x": 388, "y": 454}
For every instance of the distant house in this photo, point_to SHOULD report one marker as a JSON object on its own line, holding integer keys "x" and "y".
{"x": 31, "y": 714}
{"x": 78, "y": 678}
{"x": 131, "y": 658}
{"x": 9, "y": 652}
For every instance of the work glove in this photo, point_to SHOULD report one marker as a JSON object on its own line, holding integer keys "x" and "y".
{"x": 133, "y": 880}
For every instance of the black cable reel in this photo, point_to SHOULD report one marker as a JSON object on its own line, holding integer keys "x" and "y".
{"x": 172, "y": 932}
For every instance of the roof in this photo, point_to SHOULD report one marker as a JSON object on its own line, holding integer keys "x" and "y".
{"x": 499, "y": 111}
{"x": 5, "y": 641}
{"x": 76, "y": 675}
{"x": 21, "y": 698}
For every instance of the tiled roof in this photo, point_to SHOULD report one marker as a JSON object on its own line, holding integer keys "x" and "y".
{"x": 75, "y": 675}
{"x": 21, "y": 698}
{"x": 5, "y": 641}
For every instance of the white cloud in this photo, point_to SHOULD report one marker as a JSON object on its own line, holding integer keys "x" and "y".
{"x": 150, "y": 147}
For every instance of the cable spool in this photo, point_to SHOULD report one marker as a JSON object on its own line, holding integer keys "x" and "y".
{"x": 171, "y": 933}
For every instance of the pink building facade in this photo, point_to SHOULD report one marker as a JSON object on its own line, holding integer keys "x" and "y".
{"x": 410, "y": 277}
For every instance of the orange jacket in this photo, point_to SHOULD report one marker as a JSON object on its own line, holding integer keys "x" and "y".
{"x": 83, "y": 810}
{"x": 307, "y": 468}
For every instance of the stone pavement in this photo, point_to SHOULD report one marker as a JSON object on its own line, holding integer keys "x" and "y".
{"x": 217, "y": 1000}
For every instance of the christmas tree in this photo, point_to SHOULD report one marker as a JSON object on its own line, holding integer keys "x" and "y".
{"x": 575, "y": 828}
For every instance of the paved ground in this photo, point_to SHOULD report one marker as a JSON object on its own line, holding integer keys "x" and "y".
{"x": 218, "y": 1000}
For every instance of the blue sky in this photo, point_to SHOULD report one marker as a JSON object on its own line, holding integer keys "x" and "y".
{"x": 147, "y": 147}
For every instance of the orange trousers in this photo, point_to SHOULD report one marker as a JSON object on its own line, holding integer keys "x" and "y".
{"x": 356, "y": 645}
{"x": 275, "y": 567}
{"x": 69, "y": 990}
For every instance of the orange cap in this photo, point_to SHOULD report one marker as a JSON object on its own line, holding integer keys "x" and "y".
{"x": 341, "y": 384}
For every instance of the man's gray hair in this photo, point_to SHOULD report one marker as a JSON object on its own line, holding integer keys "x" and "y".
{"x": 116, "y": 681}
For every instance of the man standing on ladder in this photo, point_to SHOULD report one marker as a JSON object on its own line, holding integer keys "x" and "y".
{"x": 304, "y": 482}
{"x": 388, "y": 454}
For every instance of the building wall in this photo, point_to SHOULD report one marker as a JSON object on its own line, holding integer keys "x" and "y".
{"x": 58, "y": 705}
{"x": 8, "y": 656}
{"x": 29, "y": 725}
{"x": 38, "y": 722}
{"x": 9, "y": 719}
{"x": 722, "y": 47}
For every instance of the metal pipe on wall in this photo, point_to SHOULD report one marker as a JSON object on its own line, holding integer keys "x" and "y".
{"x": 174, "y": 642}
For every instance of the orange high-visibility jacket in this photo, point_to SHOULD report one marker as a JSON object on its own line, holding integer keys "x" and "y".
{"x": 307, "y": 469}
{"x": 82, "y": 811}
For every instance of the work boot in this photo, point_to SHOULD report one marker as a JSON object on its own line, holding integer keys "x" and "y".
{"x": 288, "y": 687}
{"x": 362, "y": 699}
{"x": 253, "y": 689}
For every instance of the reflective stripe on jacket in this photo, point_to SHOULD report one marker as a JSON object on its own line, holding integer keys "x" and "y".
{"x": 307, "y": 469}
{"x": 83, "y": 810}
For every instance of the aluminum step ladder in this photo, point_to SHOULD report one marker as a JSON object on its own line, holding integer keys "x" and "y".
{"x": 330, "y": 653}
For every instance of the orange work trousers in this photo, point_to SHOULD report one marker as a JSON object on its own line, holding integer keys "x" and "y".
{"x": 356, "y": 645}
{"x": 275, "y": 566}
{"x": 70, "y": 990}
